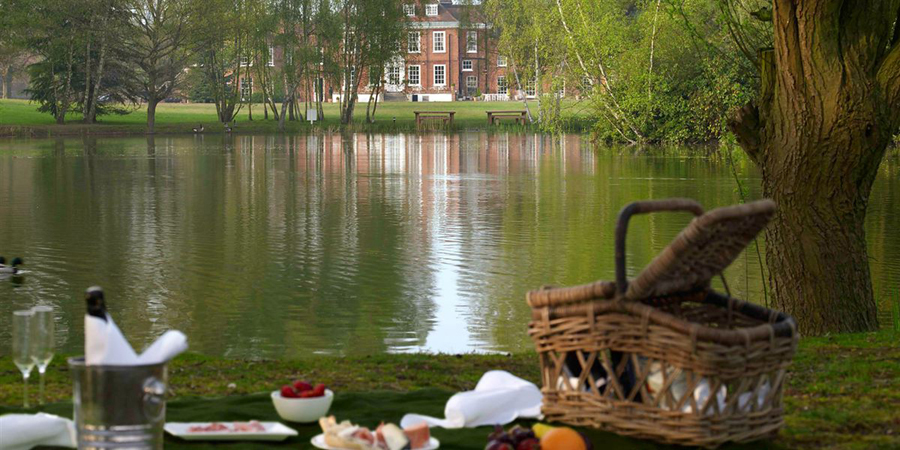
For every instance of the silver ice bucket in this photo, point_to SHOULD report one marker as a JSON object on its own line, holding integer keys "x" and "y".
{"x": 119, "y": 407}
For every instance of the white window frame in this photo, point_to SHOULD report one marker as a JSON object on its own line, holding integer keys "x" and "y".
{"x": 417, "y": 41}
{"x": 245, "y": 61}
{"x": 531, "y": 88}
{"x": 434, "y": 74}
{"x": 472, "y": 82}
{"x": 271, "y": 62}
{"x": 410, "y": 10}
{"x": 471, "y": 42}
{"x": 502, "y": 88}
{"x": 394, "y": 75}
{"x": 247, "y": 83}
{"x": 465, "y": 63}
{"x": 418, "y": 76}
{"x": 431, "y": 9}
{"x": 501, "y": 61}
{"x": 443, "y": 41}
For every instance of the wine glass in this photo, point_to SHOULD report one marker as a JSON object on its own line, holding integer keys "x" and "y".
{"x": 21, "y": 346}
{"x": 43, "y": 343}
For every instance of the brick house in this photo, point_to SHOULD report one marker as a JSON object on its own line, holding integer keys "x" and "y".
{"x": 449, "y": 55}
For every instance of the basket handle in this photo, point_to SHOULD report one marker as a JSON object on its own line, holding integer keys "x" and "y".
{"x": 648, "y": 206}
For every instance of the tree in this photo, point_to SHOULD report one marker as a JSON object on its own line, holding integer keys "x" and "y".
{"x": 371, "y": 31}
{"x": 828, "y": 105}
{"x": 160, "y": 43}
{"x": 223, "y": 53}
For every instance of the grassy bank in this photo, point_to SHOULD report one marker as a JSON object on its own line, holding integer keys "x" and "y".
{"x": 21, "y": 118}
{"x": 843, "y": 392}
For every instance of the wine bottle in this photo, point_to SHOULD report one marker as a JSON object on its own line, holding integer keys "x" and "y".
{"x": 96, "y": 305}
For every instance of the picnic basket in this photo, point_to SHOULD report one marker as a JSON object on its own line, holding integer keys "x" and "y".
{"x": 664, "y": 356}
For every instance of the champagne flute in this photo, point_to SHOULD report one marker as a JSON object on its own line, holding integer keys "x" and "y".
{"x": 21, "y": 347}
{"x": 43, "y": 343}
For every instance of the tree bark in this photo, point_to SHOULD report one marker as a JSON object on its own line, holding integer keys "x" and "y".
{"x": 151, "y": 114}
{"x": 819, "y": 130}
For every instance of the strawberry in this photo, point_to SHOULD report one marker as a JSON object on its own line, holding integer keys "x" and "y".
{"x": 287, "y": 391}
{"x": 308, "y": 394}
{"x": 319, "y": 390}
{"x": 301, "y": 386}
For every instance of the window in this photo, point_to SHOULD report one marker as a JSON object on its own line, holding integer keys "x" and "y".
{"x": 501, "y": 61}
{"x": 413, "y": 75}
{"x": 271, "y": 57}
{"x": 245, "y": 61}
{"x": 246, "y": 89}
{"x": 439, "y": 42}
{"x": 431, "y": 9}
{"x": 440, "y": 75}
{"x": 467, "y": 65}
{"x": 472, "y": 41}
{"x": 472, "y": 83}
{"x": 413, "y": 44}
{"x": 530, "y": 88}
{"x": 502, "y": 88}
{"x": 393, "y": 75}
{"x": 409, "y": 10}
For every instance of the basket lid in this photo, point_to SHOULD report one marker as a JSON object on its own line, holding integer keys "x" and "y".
{"x": 709, "y": 244}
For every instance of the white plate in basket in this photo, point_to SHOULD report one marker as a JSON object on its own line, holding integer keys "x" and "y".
{"x": 274, "y": 432}
{"x": 319, "y": 442}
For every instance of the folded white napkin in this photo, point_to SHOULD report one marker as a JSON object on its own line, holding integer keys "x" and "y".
{"x": 498, "y": 399}
{"x": 24, "y": 431}
{"x": 104, "y": 344}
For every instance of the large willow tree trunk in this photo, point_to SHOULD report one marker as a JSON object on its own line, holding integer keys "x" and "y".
{"x": 829, "y": 104}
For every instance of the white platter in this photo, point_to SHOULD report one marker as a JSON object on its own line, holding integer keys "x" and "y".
{"x": 274, "y": 432}
{"x": 319, "y": 442}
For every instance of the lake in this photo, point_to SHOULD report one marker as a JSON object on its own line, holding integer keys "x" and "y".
{"x": 285, "y": 246}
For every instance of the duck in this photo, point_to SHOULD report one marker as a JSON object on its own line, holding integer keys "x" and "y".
{"x": 198, "y": 129}
{"x": 228, "y": 128}
{"x": 12, "y": 268}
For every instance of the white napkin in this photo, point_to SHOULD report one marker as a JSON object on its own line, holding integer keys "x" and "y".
{"x": 498, "y": 399}
{"x": 104, "y": 344}
{"x": 24, "y": 431}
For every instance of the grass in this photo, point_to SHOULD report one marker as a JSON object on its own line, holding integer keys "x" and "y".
{"x": 21, "y": 118}
{"x": 843, "y": 391}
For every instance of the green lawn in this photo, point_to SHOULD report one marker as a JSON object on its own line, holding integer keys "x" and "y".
{"x": 843, "y": 391}
{"x": 20, "y": 117}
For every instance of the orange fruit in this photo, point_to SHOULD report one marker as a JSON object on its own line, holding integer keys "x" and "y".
{"x": 562, "y": 439}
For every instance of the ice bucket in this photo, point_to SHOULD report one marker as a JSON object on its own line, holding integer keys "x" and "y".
{"x": 119, "y": 407}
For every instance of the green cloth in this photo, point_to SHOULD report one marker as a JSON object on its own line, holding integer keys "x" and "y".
{"x": 364, "y": 408}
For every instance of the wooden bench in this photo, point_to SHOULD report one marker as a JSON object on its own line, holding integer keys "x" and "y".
{"x": 495, "y": 116}
{"x": 445, "y": 116}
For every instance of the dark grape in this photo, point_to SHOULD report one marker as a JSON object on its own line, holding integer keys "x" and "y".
{"x": 498, "y": 445}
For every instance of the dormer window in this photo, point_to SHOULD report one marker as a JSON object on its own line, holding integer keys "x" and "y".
{"x": 431, "y": 9}
{"x": 409, "y": 10}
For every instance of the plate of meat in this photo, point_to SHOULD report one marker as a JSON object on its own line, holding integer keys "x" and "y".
{"x": 230, "y": 431}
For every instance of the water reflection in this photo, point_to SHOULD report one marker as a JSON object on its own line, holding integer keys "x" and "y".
{"x": 290, "y": 245}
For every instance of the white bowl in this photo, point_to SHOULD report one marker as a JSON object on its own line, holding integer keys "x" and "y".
{"x": 302, "y": 410}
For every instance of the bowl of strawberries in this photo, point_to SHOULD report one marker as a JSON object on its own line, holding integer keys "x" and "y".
{"x": 302, "y": 402}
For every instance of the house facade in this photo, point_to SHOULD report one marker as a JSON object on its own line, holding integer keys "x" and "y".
{"x": 449, "y": 54}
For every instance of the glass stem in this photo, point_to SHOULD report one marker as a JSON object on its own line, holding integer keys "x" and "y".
{"x": 25, "y": 396}
{"x": 41, "y": 388}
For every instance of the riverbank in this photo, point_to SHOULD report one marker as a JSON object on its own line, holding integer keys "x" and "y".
{"x": 843, "y": 391}
{"x": 20, "y": 118}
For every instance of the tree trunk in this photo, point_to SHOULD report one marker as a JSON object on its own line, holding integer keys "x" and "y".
{"x": 95, "y": 92}
{"x": 151, "y": 114}
{"x": 826, "y": 112}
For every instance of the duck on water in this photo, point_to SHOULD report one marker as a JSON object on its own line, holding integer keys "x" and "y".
{"x": 13, "y": 268}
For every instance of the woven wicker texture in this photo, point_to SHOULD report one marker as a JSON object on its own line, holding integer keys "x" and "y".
{"x": 684, "y": 365}
{"x": 708, "y": 245}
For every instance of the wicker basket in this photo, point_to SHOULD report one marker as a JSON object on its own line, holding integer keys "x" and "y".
{"x": 690, "y": 366}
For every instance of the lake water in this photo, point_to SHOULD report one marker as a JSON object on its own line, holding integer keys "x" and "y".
{"x": 273, "y": 246}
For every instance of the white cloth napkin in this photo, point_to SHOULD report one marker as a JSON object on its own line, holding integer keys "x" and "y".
{"x": 104, "y": 344}
{"x": 498, "y": 399}
{"x": 24, "y": 431}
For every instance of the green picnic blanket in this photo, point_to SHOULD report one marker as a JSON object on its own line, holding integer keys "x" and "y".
{"x": 365, "y": 408}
